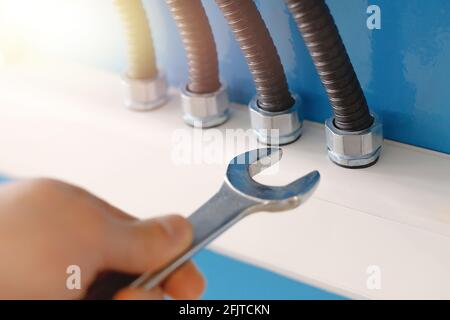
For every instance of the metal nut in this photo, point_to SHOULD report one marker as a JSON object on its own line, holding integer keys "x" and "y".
{"x": 205, "y": 110}
{"x": 354, "y": 149}
{"x": 145, "y": 94}
{"x": 276, "y": 128}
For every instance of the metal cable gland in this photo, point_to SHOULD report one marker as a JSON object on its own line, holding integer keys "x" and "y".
{"x": 145, "y": 94}
{"x": 359, "y": 149}
{"x": 276, "y": 128}
{"x": 205, "y": 110}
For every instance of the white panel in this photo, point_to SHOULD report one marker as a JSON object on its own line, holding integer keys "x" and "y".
{"x": 67, "y": 122}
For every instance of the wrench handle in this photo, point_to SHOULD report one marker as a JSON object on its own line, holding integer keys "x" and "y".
{"x": 218, "y": 214}
{"x": 107, "y": 284}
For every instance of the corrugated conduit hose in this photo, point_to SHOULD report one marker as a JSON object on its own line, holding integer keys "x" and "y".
{"x": 198, "y": 40}
{"x": 260, "y": 52}
{"x": 333, "y": 64}
{"x": 141, "y": 54}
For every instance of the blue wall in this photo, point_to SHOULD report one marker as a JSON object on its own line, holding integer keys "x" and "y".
{"x": 404, "y": 68}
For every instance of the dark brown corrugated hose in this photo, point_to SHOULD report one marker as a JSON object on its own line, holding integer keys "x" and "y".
{"x": 259, "y": 50}
{"x": 198, "y": 40}
{"x": 333, "y": 64}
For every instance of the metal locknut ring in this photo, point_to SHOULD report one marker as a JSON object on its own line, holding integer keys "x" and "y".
{"x": 205, "y": 110}
{"x": 145, "y": 94}
{"x": 357, "y": 149}
{"x": 276, "y": 128}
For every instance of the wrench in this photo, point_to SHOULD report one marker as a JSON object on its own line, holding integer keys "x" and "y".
{"x": 238, "y": 197}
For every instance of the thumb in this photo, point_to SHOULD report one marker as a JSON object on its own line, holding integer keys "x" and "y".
{"x": 146, "y": 246}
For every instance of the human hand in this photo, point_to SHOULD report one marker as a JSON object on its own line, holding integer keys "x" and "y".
{"x": 47, "y": 226}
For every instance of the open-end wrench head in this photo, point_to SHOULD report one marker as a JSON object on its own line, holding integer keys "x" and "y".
{"x": 240, "y": 174}
{"x": 255, "y": 161}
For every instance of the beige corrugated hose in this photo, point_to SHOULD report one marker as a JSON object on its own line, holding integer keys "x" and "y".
{"x": 141, "y": 54}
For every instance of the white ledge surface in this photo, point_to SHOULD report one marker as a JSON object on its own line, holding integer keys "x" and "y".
{"x": 69, "y": 123}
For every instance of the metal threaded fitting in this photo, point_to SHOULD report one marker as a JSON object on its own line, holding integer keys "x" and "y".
{"x": 145, "y": 94}
{"x": 276, "y": 128}
{"x": 356, "y": 149}
{"x": 205, "y": 110}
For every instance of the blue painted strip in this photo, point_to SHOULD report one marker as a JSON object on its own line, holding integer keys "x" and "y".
{"x": 228, "y": 278}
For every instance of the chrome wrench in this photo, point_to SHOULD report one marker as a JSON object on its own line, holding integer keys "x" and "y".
{"x": 238, "y": 197}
